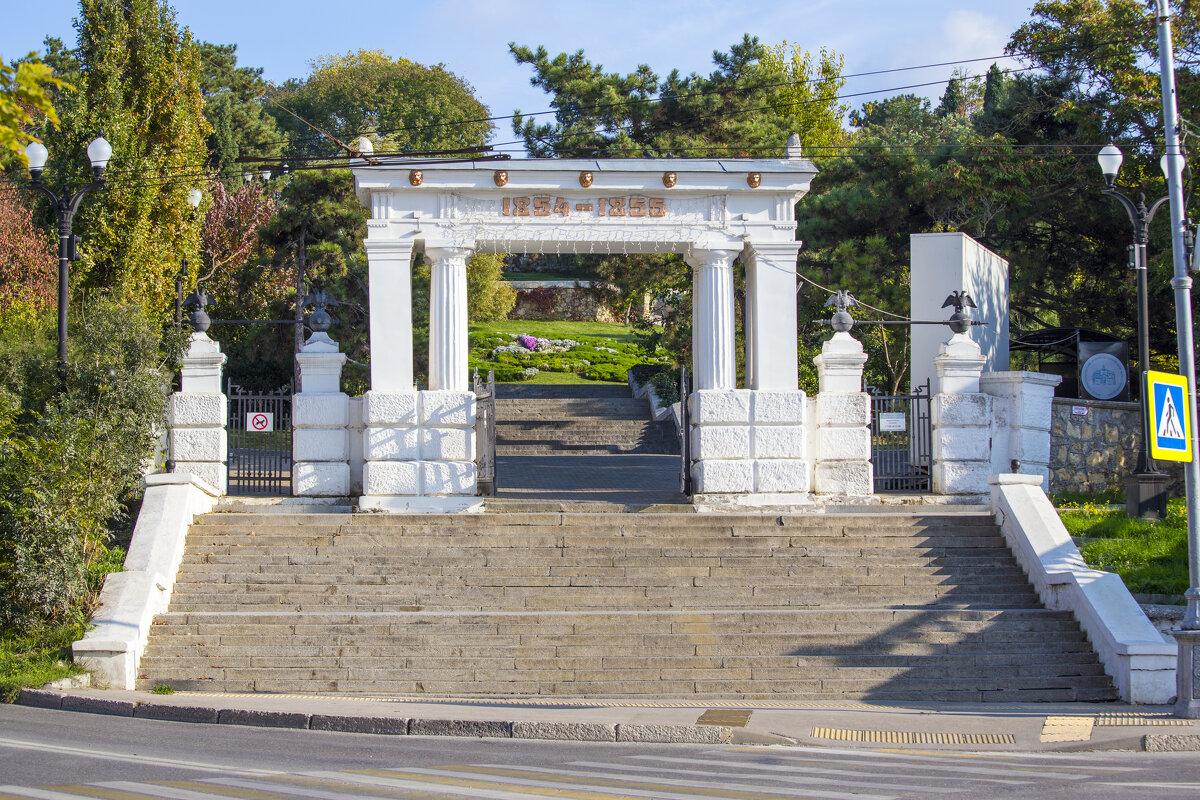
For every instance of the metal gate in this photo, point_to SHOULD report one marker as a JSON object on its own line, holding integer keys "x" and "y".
{"x": 685, "y": 438}
{"x": 901, "y": 440}
{"x": 260, "y": 442}
{"x": 485, "y": 432}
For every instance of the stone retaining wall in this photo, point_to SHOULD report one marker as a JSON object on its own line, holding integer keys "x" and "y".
{"x": 1096, "y": 451}
{"x": 576, "y": 304}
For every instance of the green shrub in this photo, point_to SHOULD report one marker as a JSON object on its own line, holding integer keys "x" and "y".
{"x": 70, "y": 461}
{"x": 666, "y": 386}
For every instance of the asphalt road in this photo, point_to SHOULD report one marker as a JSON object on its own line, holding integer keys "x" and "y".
{"x": 55, "y": 755}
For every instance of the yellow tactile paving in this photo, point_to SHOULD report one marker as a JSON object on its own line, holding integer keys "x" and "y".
{"x": 1108, "y": 720}
{"x": 1067, "y": 729}
{"x": 911, "y": 737}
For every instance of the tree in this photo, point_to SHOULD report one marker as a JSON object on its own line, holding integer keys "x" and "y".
{"x": 25, "y": 90}
{"x": 400, "y": 104}
{"x": 28, "y": 261}
{"x": 139, "y": 84}
{"x": 755, "y": 98}
{"x": 241, "y": 128}
{"x": 489, "y": 296}
{"x": 231, "y": 268}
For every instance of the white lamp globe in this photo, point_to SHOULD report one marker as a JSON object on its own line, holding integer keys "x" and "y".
{"x": 99, "y": 152}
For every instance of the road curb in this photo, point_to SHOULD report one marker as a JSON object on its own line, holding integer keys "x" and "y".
{"x": 383, "y": 726}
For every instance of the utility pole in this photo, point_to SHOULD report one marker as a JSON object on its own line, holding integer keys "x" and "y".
{"x": 1188, "y": 637}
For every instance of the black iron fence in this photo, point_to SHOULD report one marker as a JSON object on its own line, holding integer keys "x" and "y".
{"x": 901, "y": 440}
{"x": 260, "y": 441}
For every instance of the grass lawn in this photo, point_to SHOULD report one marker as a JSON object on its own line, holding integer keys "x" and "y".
{"x": 1151, "y": 557}
{"x": 35, "y": 658}
{"x": 559, "y": 330}
{"x": 621, "y": 336}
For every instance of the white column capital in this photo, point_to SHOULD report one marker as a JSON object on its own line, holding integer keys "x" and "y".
{"x": 201, "y": 371}
{"x": 438, "y": 254}
{"x": 712, "y": 258}
{"x": 840, "y": 364}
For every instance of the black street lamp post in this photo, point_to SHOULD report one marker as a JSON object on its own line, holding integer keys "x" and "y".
{"x": 1146, "y": 489}
{"x": 99, "y": 152}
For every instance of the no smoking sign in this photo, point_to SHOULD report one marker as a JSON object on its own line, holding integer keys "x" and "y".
{"x": 260, "y": 421}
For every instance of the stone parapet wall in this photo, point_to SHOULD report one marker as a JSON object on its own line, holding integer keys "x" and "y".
{"x": 1096, "y": 451}
{"x": 576, "y": 304}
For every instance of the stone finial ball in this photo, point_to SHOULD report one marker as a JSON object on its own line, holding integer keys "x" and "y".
{"x": 842, "y": 322}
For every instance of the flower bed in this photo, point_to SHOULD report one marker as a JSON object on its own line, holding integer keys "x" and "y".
{"x": 520, "y": 357}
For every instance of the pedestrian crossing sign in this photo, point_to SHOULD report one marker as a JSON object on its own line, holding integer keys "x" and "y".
{"x": 1170, "y": 415}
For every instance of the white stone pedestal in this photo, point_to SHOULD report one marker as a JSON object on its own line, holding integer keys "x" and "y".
{"x": 320, "y": 419}
{"x": 843, "y": 457}
{"x": 962, "y": 420}
{"x": 419, "y": 452}
{"x": 1023, "y": 403}
{"x": 198, "y": 413}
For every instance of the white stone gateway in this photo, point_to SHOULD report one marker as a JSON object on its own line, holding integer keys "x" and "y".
{"x": 418, "y": 446}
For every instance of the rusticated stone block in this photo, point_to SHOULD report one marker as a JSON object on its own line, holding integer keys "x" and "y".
{"x": 320, "y": 444}
{"x": 391, "y": 478}
{"x": 392, "y": 443}
{"x": 197, "y": 409}
{"x": 779, "y": 441}
{"x": 720, "y": 407}
{"x": 843, "y": 444}
{"x": 788, "y": 476}
{"x": 390, "y": 408}
{"x": 852, "y": 478}
{"x": 320, "y": 410}
{"x": 447, "y": 409}
{"x": 447, "y": 444}
{"x": 967, "y": 410}
{"x": 723, "y": 477}
{"x": 321, "y": 479}
{"x": 777, "y": 407}
{"x": 199, "y": 444}
{"x": 960, "y": 444}
{"x": 843, "y": 409}
{"x": 721, "y": 441}
{"x": 448, "y": 477}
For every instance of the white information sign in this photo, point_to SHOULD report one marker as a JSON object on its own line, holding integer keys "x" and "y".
{"x": 893, "y": 421}
{"x": 260, "y": 421}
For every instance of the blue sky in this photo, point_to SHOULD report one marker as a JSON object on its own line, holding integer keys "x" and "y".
{"x": 471, "y": 36}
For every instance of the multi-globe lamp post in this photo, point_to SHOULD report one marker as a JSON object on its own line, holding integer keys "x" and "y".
{"x": 99, "y": 152}
{"x": 1146, "y": 490}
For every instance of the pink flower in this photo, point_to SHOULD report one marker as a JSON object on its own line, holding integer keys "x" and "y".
{"x": 528, "y": 342}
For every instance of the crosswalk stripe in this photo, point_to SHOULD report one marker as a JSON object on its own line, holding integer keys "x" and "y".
{"x": 979, "y": 773}
{"x": 319, "y": 789}
{"x": 481, "y": 789}
{"x": 652, "y": 789}
{"x": 29, "y": 793}
{"x": 97, "y": 791}
{"x": 224, "y": 791}
{"x": 768, "y": 771}
{"x": 164, "y": 792}
{"x": 141, "y": 760}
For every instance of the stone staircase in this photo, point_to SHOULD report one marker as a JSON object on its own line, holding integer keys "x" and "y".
{"x": 576, "y": 420}
{"x": 518, "y": 601}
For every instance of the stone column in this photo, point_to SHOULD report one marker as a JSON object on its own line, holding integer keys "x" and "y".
{"x": 771, "y": 331}
{"x": 713, "y": 359}
{"x": 1023, "y": 409}
{"x": 198, "y": 414}
{"x": 320, "y": 415}
{"x": 448, "y": 318}
{"x": 843, "y": 421}
{"x": 390, "y": 278}
{"x": 962, "y": 420}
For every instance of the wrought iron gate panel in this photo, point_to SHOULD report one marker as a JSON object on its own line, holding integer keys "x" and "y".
{"x": 685, "y": 439}
{"x": 485, "y": 432}
{"x": 902, "y": 441}
{"x": 260, "y": 461}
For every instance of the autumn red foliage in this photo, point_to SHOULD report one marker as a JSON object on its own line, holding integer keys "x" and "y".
{"x": 28, "y": 262}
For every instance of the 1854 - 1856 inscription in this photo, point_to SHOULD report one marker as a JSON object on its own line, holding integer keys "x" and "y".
{"x": 545, "y": 206}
